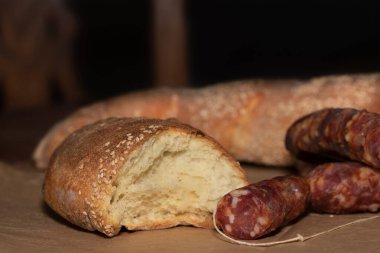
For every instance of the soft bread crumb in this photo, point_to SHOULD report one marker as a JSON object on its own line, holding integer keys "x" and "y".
{"x": 172, "y": 178}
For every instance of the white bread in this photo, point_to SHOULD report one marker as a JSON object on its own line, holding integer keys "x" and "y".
{"x": 249, "y": 118}
{"x": 141, "y": 174}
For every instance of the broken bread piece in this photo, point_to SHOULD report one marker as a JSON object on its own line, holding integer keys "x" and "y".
{"x": 141, "y": 174}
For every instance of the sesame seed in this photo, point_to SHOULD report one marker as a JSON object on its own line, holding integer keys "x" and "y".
{"x": 107, "y": 143}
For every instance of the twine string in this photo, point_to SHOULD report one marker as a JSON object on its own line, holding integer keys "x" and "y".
{"x": 298, "y": 238}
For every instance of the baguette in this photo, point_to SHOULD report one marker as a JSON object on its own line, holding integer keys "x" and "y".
{"x": 249, "y": 118}
{"x": 141, "y": 174}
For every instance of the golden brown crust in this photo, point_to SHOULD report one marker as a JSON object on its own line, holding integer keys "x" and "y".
{"x": 249, "y": 118}
{"x": 81, "y": 176}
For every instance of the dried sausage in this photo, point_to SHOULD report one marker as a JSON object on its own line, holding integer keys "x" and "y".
{"x": 345, "y": 134}
{"x": 344, "y": 188}
{"x": 260, "y": 208}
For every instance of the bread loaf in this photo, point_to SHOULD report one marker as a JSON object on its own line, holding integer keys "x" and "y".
{"x": 141, "y": 174}
{"x": 249, "y": 118}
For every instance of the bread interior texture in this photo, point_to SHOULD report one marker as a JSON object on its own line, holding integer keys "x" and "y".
{"x": 173, "y": 178}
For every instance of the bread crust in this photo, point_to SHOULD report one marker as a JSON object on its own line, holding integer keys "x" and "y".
{"x": 249, "y": 118}
{"x": 83, "y": 170}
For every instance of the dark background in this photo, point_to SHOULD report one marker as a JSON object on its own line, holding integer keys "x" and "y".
{"x": 227, "y": 40}
{"x": 113, "y": 47}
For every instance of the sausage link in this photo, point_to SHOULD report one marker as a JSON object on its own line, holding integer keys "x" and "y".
{"x": 258, "y": 209}
{"x": 344, "y": 188}
{"x": 337, "y": 133}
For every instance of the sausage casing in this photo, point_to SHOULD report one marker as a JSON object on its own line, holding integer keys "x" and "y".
{"x": 347, "y": 134}
{"x": 344, "y": 188}
{"x": 260, "y": 208}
